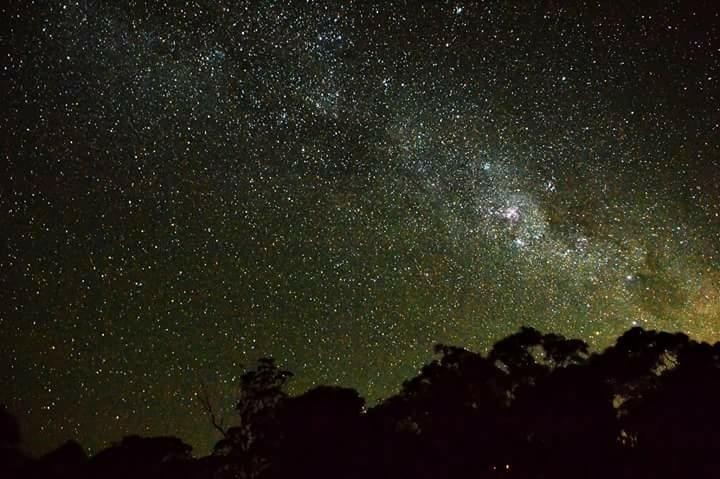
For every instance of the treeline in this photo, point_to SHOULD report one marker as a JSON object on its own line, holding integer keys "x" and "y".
{"x": 537, "y": 405}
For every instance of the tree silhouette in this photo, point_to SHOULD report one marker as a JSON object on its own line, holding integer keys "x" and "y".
{"x": 322, "y": 434}
{"x": 140, "y": 457}
{"x": 518, "y": 353}
{"x": 677, "y": 422}
{"x": 538, "y": 405}
{"x": 528, "y": 356}
{"x": 562, "y": 352}
{"x": 249, "y": 444}
{"x": 528, "y": 352}
{"x": 632, "y": 367}
{"x": 455, "y": 403}
{"x": 567, "y": 422}
{"x": 64, "y": 461}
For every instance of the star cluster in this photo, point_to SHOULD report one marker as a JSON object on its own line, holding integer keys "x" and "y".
{"x": 340, "y": 185}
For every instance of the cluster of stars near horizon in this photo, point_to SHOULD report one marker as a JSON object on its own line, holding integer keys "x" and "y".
{"x": 340, "y": 185}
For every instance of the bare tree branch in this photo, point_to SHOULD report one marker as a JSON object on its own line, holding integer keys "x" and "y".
{"x": 203, "y": 397}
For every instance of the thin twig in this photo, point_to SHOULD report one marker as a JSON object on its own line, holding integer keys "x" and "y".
{"x": 204, "y": 400}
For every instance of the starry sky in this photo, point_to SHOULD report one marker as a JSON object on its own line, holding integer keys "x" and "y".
{"x": 191, "y": 185}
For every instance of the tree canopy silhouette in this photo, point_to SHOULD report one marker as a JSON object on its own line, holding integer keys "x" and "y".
{"x": 537, "y": 405}
{"x": 249, "y": 444}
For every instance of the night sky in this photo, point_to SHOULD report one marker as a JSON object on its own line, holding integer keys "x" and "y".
{"x": 192, "y": 185}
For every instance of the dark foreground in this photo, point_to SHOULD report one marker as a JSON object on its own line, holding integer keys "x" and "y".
{"x": 537, "y": 405}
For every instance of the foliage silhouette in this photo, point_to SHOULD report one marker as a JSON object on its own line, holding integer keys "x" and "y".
{"x": 63, "y": 461}
{"x": 537, "y": 405}
{"x": 321, "y": 433}
{"x": 249, "y": 445}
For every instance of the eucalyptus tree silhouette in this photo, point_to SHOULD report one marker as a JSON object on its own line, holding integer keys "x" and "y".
{"x": 455, "y": 409}
{"x": 322, "y": 434}
{"x": 675, "y": 424}
{"x": 555, "y": 400}
{"x": 249, "y": 445}
{"x": 567, "y": 423}
{"x": 537, "y": 405}
{"x": 529, "y": 354}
